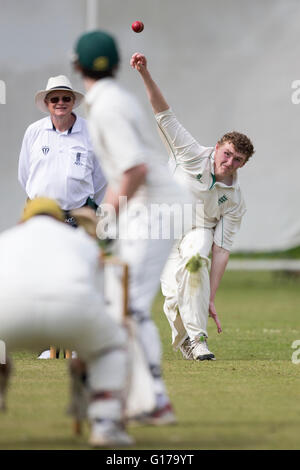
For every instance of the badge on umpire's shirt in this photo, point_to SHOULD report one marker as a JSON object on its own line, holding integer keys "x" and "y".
{"x": 77, "y": 161}
{"x": 45, "y": 150}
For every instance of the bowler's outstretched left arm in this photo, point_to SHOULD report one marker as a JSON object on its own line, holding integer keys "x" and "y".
{"x": 219, "y": 262}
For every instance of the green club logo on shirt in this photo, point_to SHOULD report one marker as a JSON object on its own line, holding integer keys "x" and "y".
{"x": 222, "y": 199}
{"x": 199, "y": 176}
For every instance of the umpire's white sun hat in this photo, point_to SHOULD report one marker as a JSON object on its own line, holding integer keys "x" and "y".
{"x": 61, "y": 82}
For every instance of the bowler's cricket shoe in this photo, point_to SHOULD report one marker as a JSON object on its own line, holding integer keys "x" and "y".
{"x": 200, "y": 350}
{"x": 186, "y": 349}
{"x": 107, "y": 433}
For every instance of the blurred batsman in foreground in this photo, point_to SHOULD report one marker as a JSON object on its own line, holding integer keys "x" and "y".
{"x": 50, "y": 295}
{"x": 135, "y": 172}
{"x": 210, "y": 173}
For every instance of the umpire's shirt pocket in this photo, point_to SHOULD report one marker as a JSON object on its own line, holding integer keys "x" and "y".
{"x": 77, "y": 165}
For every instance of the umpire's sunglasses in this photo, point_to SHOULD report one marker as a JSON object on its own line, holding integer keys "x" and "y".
{"x": 55, "y": 99}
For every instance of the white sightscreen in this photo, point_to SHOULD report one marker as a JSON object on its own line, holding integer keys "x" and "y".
{"x": 222, "y": 64}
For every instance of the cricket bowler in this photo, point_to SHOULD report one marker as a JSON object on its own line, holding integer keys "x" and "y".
{"x": 210, "y": 173}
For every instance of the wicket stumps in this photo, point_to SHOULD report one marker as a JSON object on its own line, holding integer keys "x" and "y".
{"x": 54, "y": 353}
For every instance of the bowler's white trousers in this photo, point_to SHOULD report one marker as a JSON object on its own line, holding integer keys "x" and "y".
{"x": 187, "y": 293}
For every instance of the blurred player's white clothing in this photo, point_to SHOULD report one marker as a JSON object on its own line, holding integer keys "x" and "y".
{"x": 60, "y": 165}
{"x": 120, "y": 134}
{"x": 50, "y": 296}
{"x": 217, "y": 222}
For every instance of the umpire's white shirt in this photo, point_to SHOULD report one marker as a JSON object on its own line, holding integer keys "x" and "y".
{"x": 60, "y": 165}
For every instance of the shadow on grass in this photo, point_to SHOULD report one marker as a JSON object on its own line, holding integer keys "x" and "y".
{"x": 229, "y": 435}
{"x": 44, "y": 444}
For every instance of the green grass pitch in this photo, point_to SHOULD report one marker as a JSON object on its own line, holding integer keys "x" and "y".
{"x": 247, "y": 399}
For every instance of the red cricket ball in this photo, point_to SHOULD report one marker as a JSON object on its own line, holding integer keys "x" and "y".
{"x": 137, "y": 26}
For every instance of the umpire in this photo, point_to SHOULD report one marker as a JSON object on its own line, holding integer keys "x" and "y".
{"x": 56, "y": 159}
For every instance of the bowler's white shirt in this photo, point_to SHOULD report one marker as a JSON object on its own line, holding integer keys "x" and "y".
{"x": 61, "y": 166}
{"x": 193, "y": 166}
{"x": 120, "y": 134}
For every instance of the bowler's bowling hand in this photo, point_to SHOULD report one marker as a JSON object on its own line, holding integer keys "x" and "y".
{"x": 139, "y": 62}
{"x": 213, "y": 314}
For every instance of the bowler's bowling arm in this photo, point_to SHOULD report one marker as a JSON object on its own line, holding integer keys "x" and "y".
{"x": 154, "y": 93}
{"x": 156, "y": 98}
